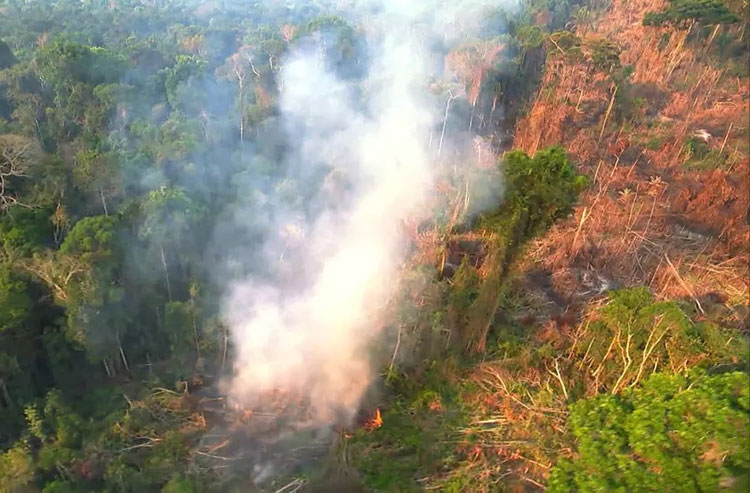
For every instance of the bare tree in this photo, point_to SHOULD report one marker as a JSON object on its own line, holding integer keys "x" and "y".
{"x": 451, "y": 97}
{"x": 288, "y": 31}
{"x": 471, "y": 64}
{"x": 15, "y": 163}
{"x": 56, "y": 272}
{"x": 239, "y": 67}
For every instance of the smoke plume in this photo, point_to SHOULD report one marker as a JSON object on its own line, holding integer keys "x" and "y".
{"x": 307, "y": 328}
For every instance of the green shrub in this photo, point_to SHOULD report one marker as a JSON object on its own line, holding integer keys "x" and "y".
{"x": 530, "y": 36}
{"x": 567, "y": 43}
{"x": 605, "y": 55}
{"x": 664, "y": 41}
{"x": 633, "y": 334}
{"x": 701, "y": 157}
{"x": 655, "y": 143}
{"x": 675, "y": 433}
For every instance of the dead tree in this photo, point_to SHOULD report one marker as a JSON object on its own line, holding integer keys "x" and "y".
{"x": 14, "y": 165}
{"x": 471, "y": 64}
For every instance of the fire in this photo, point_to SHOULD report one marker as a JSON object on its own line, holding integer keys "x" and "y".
{"x": 376, "y": 421}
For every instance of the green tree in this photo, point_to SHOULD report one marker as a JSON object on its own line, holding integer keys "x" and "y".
{"x": 180, "y": 325}
{"x": 16, "y": 469}
{"x": 71, "y": 71}
{"x": 539, "y": 190}
{"x": 15, "y": 303}
{"x": 15, "y": 306}
{"x": 23, "y": 232}
{"x": 186, "y": 69}
{"x": 8, "y": 368}
{"x": 683, "y": 12}
{"x": 168, "y": 215}
{"x": 95, "y": 300}
{"x": 97, "y": 173}
{"x": 25, "y": 96}
{"x": 6, "y": 56}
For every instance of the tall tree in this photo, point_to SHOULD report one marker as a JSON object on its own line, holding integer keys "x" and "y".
{"x": 241, "y": 67}
{"x": 94, "y": 298}
{"x": 168, "y": 215}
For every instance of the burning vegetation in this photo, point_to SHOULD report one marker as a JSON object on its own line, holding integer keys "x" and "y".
{"x": 374, "y": 246}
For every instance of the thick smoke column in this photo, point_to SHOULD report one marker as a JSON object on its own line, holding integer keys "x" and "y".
{"x": 309, "y": 335}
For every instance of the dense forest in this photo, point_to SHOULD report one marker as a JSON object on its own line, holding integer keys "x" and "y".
{"x": 374, "y": 245}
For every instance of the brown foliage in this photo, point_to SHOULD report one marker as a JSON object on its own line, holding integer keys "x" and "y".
{"x": 472, "y": 64}
{"x": 644, "y": 204}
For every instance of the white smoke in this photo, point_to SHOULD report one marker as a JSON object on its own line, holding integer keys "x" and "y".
{"x": 313, "y": 341}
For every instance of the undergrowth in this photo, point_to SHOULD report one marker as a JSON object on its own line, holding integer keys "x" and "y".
{"x": 530, "y": 405}
{"x": 417, "y": 440}
{"x": 700, "y": 157}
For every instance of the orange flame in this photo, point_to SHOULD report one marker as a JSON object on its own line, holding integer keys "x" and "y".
{"x": 376, "y": 422}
